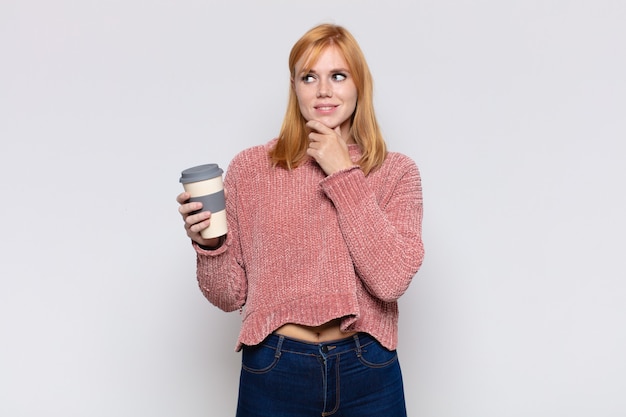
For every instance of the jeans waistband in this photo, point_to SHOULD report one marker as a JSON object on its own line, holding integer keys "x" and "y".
{"x": 287, "y": 344}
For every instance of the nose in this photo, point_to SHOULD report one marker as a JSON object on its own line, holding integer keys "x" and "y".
{"x": 324, "y": 89}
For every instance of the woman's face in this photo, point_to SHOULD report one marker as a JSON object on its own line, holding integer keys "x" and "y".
{"x": 327, "y": 92}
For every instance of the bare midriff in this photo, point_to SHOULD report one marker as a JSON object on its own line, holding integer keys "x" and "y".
{"x": 326, "y": 332}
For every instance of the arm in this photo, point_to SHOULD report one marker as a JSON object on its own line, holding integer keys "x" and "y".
{"x": 220, "y": 274}
{"x": 383, "y": 233}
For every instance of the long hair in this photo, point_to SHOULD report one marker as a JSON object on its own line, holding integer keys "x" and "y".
{"x": 292, "y": 144}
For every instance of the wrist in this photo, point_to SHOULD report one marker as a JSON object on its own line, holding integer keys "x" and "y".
{"x": 213, "y": 244}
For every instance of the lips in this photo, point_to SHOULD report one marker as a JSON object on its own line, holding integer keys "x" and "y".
{"x": 325, "y": 107}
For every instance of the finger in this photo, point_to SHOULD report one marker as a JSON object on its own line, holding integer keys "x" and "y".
{"x": 183, "y": 197}
{"x": 315, "y": 137}
{"x": 319, "y": 127}
{"x": 196, "y": 217}
{"x": 198, "y": 227}
{"x": 197, "y": 222}
{"x": 186, "y": 209}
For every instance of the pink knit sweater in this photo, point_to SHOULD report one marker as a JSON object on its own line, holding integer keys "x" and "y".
{"x": 307, "y": 248}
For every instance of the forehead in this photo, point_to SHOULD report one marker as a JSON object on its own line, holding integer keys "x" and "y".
{"x": 327, "y": 59}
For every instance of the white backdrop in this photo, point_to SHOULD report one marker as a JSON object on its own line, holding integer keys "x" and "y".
{"x": 514, "y": 111}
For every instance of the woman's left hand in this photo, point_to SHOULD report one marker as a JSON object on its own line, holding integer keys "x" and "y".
{"x": 328, "y": 147}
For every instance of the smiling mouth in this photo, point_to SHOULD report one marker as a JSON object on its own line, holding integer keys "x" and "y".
{"x": 325, "y": 108}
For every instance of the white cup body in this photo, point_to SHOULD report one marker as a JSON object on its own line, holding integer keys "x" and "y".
{"x": 218, "y": 225}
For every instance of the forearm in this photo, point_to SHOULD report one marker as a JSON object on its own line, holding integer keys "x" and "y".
{"x": 220, "y": 277}
{"x": 384, "y": 242}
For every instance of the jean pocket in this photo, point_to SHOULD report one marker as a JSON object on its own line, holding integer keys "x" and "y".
{"x": 259, "y": 359}
{"x": 375, "y": 355}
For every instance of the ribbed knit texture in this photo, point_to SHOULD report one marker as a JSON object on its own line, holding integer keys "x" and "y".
{"x": 306, "y": 248}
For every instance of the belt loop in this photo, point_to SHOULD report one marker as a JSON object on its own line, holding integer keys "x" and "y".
{"x": 281, "y": 338}
{"x": 358, "y": 345}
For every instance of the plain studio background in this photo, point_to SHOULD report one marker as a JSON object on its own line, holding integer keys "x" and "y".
{"x": 514, "y": 111}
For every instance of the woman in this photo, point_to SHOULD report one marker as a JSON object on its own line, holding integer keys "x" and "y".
{"x": 324, "y": 237}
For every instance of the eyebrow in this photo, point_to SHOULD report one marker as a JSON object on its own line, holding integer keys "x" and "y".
{"x": 332, "y": 71}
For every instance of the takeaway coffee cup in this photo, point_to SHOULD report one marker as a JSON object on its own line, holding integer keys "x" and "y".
{"x": 204, "y": 183}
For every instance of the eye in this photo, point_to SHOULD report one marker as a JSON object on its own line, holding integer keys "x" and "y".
{"x": 308, "y": 78}
{"x": 339, "y": 76}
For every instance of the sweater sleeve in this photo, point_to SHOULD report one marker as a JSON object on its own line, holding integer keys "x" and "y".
{"x": 383, "y": 234}
{"x": 220, "y": 272}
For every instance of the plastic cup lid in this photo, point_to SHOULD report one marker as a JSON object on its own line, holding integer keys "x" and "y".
{"x": 200, "y": 173}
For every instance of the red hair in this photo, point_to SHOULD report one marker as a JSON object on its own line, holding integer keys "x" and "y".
{"x": 290, "y": 150}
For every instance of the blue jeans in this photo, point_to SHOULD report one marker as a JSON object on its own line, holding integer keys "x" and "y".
{"x": 352, "y": 377}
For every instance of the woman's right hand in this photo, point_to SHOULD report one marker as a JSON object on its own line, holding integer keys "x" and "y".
{"x": 195, "y": 223}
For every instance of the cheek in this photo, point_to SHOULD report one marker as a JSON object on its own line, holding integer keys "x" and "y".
{"x": 350, "y": 95}
{"x": 353, "y": 100}
{"x": 302, "y": 94}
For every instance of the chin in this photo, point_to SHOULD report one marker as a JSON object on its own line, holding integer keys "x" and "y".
{"x": 332, "y": 124}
